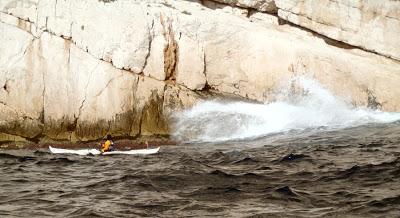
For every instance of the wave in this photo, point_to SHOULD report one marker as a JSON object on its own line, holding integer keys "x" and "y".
{"x": 312, "y": 107}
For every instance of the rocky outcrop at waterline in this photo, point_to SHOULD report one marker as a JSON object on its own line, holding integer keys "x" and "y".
{"x": 74, "y": 70}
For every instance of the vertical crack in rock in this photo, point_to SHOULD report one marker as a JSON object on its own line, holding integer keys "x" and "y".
{"x": 162, "y": 117}
{"x": 207, "y": 86}
{"x": 42, "y": 115}
{"x": 141, "y": 122}
{"x": 162, "y": 102}
{"x": 130, "y": 129}
{"x": 43, "y": 68}
{"x": 46, "y": 22}
{"x": 70, "y": 31}
{"x": 76, "y": 118}
{"x": 204, "y": 64}
{"x": 134, "y": 109}
{"x": 171, "y": 49}
{"x": 44, "y": 71}
{"x": 70, "y": 126}
{"x": 151, "y": 35}
{"x": 69, "y": 56}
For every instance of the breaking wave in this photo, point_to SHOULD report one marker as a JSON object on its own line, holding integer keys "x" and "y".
{"x": 314, "y": 107}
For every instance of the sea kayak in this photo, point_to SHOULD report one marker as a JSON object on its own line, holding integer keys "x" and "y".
{"x": 97, "y": 152}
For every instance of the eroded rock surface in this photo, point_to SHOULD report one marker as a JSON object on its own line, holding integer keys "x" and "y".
{"x": 75, "y": 70}
{"x": 369, "y": 24}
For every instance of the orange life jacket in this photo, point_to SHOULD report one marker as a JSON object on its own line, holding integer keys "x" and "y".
{"x": 106, "y": 146}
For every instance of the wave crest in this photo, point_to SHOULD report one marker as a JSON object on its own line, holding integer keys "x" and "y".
{"x": 314, "y": 107}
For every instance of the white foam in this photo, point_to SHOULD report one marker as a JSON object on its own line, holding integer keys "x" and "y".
{"x": 213, "y": 121}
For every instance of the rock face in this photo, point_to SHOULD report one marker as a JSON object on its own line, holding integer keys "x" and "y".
{"x": 77, "y": 69}
{"x": 369, "y": 24}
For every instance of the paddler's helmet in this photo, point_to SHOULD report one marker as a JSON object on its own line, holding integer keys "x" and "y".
{"x": 109, "y": 137}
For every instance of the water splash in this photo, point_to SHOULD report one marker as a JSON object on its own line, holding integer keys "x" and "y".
{"x": 315, "y": 107}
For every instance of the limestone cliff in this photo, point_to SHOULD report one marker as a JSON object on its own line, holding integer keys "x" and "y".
{"x": 76, "y": 69}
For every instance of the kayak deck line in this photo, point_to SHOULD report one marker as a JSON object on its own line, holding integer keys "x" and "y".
{"x": 97, "y": 152}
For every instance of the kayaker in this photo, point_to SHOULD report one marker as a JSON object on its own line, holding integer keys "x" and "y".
{"x": 108, "y": 145}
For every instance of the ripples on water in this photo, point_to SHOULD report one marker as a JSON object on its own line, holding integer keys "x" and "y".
{"x": 316, "y": 173}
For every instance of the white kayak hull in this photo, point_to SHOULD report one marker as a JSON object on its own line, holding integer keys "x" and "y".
{"x": 97, "y": 152}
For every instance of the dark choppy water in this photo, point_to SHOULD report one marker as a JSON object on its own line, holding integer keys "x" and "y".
{"x": 353, "y": 172}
